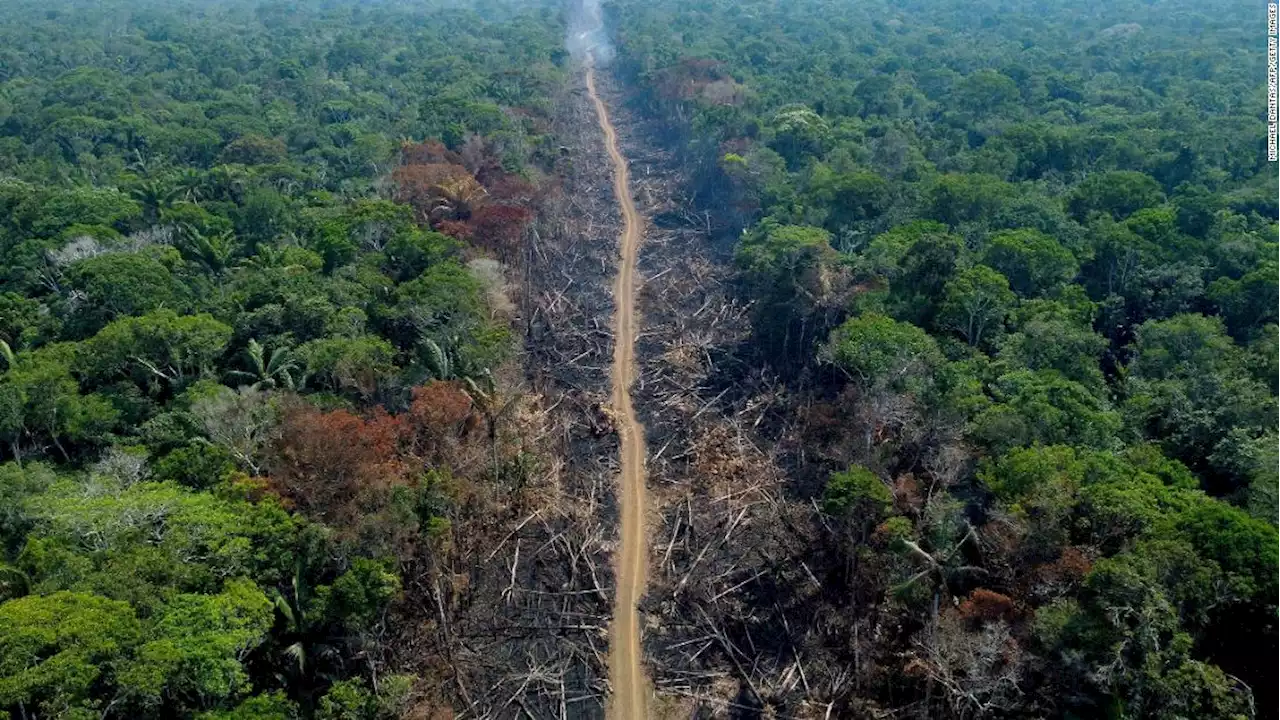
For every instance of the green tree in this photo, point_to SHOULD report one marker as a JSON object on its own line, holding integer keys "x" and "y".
{"x": 985, "y": 91}
{"x": 1188, "y": 386}
{"x": 352, "y": 700}
{"x": 24, "y": 321}
{"x": 852, "y": 198}
{"x": 409, "y": 254}
{"x": 1044, "y": 407}
{"x": 859, "y": 498}
{"x": 121, "y": 284}
{"x": 262, "y": 215}
{"x": 977, "y": 303}
{"x": 1262, "y": 482}
{"x": 790, "y": 268}
{"x": 189, "y": 219}
{"x": 360, "y": 595}
{"x": 799, "y": 132}
{"x": 56, "y": 650}
{"x": 1247, "y": 304}
{"x": 254, "y": 150}
{"x": 887, "y": 252}
{"x": 147, "y": 541}
{"x": 1033, "y": 262}
{"x": 40, "y": 401}
{"x": 154, "y": 195}
{"x": 359, "y": 364}
{"x": 1118, "y": 193}
{"x": 197, "y": 465}
{"x": 160, "y": 350}
{"x": 966, "y": 198}
{"x": 445, "y": 300}
{"x": 192, "y": 655}
{"x": 1130, "y": 628}
{"x": 1049, "y": 338}
{"x": 874, "y": 350}
{"x": 268, "y": 369}
{"x": 268, "y": 706}
{"x": 917, "y": 259}
{"x": 1265, "y": 355}
{"x": 61, "y": 209}
{"x": 211, "y": 251}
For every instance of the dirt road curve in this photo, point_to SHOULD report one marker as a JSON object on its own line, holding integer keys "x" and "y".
{"x": 630, "y": 687}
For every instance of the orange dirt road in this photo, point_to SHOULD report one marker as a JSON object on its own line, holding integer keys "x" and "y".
{"x": 626, "y": 669}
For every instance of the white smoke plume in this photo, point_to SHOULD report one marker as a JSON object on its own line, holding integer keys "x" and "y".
{"x": 587, "y": 38}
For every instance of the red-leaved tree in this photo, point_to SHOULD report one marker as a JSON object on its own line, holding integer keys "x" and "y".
{"x": 343, "y": 469}
{"x": 335, "y": 466}
{"x": 500, "y": 229}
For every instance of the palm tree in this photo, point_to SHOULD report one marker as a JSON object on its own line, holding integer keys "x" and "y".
{"x": 228, "y": 182}
{"x": 307, "y": 642}
{"x": 154, "y": 195}
{"x": 444, "y": 364}
{"x": 190, "y": 185}
{"x": 269, "y": 256}
{"x": 212, "y": 252}
{"x": 436, "y": 360}
{"x": 269, "y": 369}
{"x": 479, "y": 384}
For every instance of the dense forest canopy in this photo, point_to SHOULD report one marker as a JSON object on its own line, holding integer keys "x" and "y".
{"x": 245, "y": 313}
{"x": 1014, "y": 263}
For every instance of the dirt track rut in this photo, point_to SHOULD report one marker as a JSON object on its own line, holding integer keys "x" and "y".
{"x": 630, "y": 686}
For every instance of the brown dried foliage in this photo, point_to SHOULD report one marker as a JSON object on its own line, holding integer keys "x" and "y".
{"x": 431, "y": 152}
{"x": 340, "y": 468}
{"x": 1063, "y": 575}
{"x": 455, "y": 229}
{"x": 332, "y": 465}
{"x": 511, "y": 189}
{"x": 983, "y": 606}
{"x": 438, "y": 191}
{"x": 500, "y": 229}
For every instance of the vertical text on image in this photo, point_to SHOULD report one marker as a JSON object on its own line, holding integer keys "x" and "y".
{"x": 1272, "y": 48}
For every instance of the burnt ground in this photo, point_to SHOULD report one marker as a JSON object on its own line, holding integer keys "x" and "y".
{"x": 732, "y": 606}
{"x": 512, "y": 618}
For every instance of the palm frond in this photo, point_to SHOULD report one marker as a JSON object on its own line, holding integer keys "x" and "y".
{"x": 297, "y": 652}
{"x": 436, "y": 360}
